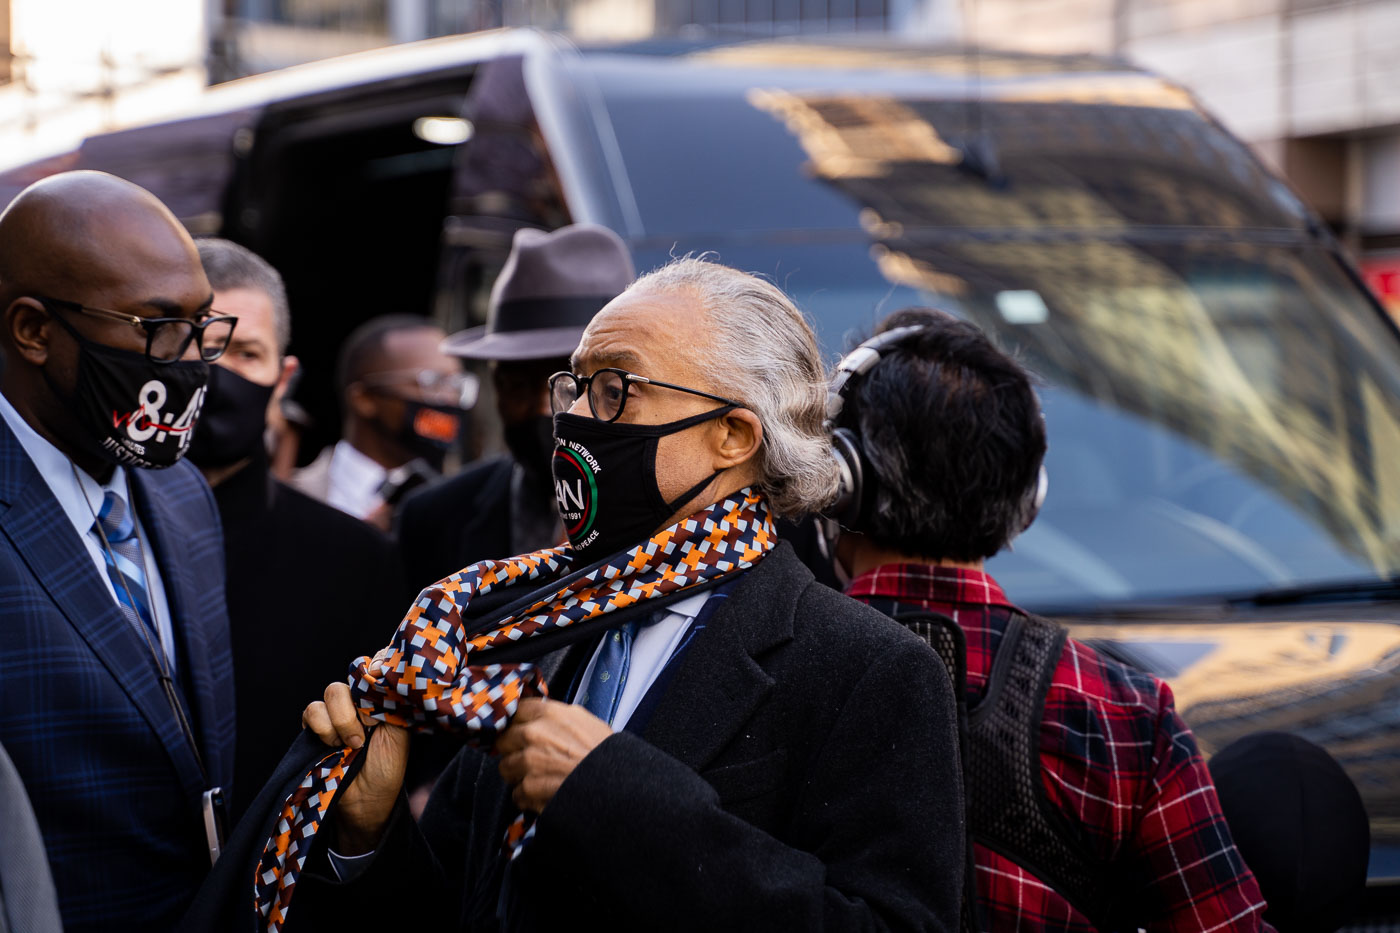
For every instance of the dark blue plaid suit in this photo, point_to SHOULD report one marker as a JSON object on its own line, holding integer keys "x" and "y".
{"x": 114, "y": 783}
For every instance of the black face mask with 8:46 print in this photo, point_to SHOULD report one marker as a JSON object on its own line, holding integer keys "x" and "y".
{"x": 605, "y": 480}
{"x": 131, "y": 411}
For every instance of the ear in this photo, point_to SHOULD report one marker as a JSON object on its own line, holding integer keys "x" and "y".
{"x": 741, "y": 434}
{"x": 27, "y": 325}
{"x": 290, "y": 365}
{"x": 359, "y": 401}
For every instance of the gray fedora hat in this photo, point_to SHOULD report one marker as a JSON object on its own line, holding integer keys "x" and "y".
{"x": 549, "y": 289}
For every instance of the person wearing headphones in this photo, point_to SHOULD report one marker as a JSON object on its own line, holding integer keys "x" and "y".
{"x": 1088, "y": 804}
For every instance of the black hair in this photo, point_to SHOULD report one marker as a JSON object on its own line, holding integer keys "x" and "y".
{"x": 362, "y": 352}
{"x": 952, "y": 431}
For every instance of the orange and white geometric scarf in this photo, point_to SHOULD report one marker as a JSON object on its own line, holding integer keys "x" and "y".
{"x": 436, "y": 675}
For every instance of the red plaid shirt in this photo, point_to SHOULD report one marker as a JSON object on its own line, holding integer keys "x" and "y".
{"x": 1115, "y": 758}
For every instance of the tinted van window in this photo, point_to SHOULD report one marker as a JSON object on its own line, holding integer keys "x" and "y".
{"x": 702, "y": 158}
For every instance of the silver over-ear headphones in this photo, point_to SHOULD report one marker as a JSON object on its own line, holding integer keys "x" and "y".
{"x": 856, "y": 493}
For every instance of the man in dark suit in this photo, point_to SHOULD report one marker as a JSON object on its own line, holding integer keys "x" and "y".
{"x": 275, "y": 538}
{"x": 116, "y": 688}
{"x": 766, "y": 755}
{"x": 549, "y": 289}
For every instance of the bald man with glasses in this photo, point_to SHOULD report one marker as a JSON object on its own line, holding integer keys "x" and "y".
{"x": 116, "y": 690}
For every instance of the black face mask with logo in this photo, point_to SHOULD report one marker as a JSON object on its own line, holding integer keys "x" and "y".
{"x": 605, "y": 480}
{"x": 133, "y": 412}
{"x": 233, "y": 421}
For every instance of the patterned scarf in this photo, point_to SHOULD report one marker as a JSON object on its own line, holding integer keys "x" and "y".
{"x": 436, "y": 674}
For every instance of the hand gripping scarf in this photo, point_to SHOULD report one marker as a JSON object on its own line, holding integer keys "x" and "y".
{"x": 436, "y": 675}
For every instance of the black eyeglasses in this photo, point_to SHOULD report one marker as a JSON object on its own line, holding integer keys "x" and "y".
{"x": 607, "y": 392}
{"x": 167, "y": 338}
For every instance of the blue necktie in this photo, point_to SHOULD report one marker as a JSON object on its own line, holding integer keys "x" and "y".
{"x": 604, "y": 687}
{"x": 125, "y": 567}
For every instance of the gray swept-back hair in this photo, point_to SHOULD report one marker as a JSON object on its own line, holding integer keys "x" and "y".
{"x": 762, "y": 352}
{"x": 228, "y": 266}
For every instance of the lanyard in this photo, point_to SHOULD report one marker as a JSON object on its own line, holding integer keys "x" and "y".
{"x": 167, "y": 681}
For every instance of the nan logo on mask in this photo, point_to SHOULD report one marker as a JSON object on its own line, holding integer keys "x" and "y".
{"x": 631, "y": 504}
{"x": 576, "y": 487}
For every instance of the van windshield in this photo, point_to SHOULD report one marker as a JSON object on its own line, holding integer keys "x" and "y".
{"x": 710, "y": 152}
{"x": 1223, "y": 418}
{"x": 1221, "y": 398}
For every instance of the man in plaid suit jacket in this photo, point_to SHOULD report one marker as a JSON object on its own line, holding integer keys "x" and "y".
{"x": 115, "y": 779}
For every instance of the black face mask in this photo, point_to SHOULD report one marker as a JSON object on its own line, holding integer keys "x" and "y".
{"x": 233, "y": 421}
{"x": 133, "y": 412}
{"x": 605, "y": 480}
{"x": 531, "y": 443}
{"x": 430, "y": 431}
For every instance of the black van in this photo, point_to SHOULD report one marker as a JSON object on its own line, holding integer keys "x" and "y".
{"x": 1222, "y": 394}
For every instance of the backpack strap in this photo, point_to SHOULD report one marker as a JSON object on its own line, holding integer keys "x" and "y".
{"x": 946, "y": 639}
{"x": 1008, "y": 809}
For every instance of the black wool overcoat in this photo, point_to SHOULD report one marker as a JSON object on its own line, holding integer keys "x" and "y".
{"x": 798, "y": 771}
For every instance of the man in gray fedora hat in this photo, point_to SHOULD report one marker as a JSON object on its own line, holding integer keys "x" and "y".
{"x": 549, "y": 289}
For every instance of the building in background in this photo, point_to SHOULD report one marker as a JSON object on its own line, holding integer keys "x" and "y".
{"x": 72, "y": 68}
{"x": 249, "y": 36}
{"x": 1312, "y": 85}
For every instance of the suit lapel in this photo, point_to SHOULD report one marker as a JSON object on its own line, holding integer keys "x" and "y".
{"x": 45, "y": 539}
{"x": 562, "y": 667}
{"x": 163, "y": 525}
{"x": 719, "y": 683}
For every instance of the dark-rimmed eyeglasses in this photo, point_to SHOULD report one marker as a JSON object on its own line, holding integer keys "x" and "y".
{"x": 167, "y": 338}
{"x": 608, "y": 391}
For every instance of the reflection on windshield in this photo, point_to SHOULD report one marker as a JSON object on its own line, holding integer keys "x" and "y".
{"x": 1140, "y": 510}
{"x": 1220, "y": 397}
{"x": 1053, "y": 164}
{"x": 1223, "y": 413}
{"x": 1245, "y": 447}
{"x": 986, "y": 64}
{"x": 1251, "y": 353}
{"x": 1284, "y": 389}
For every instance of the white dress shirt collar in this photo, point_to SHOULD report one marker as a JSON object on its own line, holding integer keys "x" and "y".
{"x": 80, "y": 496}
{"x": 353, "y": 481}
{"x": 78, "y": 493}
{"x": 651, "y": 651}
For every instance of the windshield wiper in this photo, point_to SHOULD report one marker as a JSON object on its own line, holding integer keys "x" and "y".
{"x": 1379, "y": 588}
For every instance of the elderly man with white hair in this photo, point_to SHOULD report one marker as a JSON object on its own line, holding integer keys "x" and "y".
{"x": 725, "y": 744}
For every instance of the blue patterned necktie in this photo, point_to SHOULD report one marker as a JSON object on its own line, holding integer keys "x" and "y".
{"x": 125, "y": 567}
{"x": 604, "y": 687}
